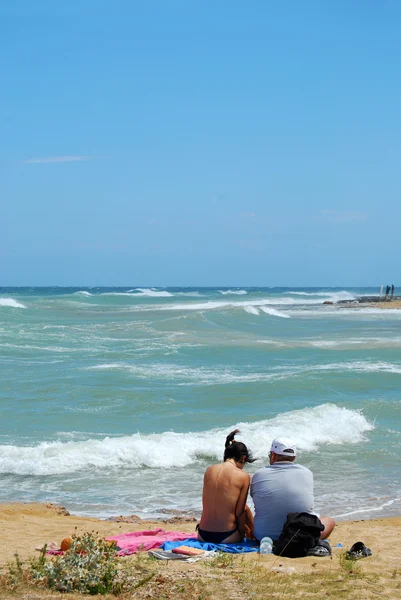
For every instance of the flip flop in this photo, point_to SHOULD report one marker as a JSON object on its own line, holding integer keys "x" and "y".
{"x": 358, "y": 550}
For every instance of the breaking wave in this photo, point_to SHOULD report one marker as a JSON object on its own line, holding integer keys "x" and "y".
{"x": 311, "y": 428}
{"x": 11, "y": 303}
{"x": 151, "y": 293}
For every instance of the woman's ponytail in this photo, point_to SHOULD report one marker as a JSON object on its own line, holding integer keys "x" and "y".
{"x": 230, "y": 437}
{"x": 237, "y": 450}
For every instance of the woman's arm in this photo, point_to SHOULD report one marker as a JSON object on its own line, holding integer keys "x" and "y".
{"x": 240, "y": 512}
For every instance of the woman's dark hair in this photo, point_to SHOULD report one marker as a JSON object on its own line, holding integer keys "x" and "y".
{"x": 237, "y": 450}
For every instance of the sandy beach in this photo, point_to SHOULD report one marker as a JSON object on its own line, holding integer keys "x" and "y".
{"x": 24, "y": 527}
{"x": 384, "y": 305}
{"x": 391, "y": 304}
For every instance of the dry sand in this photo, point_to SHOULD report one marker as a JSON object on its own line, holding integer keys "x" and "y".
{"x": 26, "y": 526}
{"x": 23, "y": 527}
{"x": 391, "y": 304}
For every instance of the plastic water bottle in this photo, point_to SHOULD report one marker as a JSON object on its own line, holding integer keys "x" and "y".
{"x": 266, "y": 546}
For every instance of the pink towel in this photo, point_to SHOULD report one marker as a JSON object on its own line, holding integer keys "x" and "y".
{"x": 146, "y": 540}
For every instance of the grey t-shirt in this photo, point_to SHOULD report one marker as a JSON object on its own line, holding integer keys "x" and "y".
{"x": 277, "y": 490}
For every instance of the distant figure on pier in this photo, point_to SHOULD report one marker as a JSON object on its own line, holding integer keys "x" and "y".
{"x": 392, "y": 291}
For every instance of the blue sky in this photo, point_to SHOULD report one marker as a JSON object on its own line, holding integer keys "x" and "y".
{"x": 200, "y": 143}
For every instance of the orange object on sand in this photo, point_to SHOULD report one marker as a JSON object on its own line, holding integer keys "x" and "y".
{"x": 65, "y": 544}
{"x": 188, "y": 550}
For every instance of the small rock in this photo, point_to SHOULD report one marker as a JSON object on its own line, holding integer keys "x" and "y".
{"x": 125, "y": 519}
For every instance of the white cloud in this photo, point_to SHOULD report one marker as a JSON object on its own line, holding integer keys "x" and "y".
{"x": 56, "y": 159}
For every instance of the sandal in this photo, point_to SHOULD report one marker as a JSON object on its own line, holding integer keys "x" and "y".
{"x": 358, "y": 550}
{"x": 322, "y": 549}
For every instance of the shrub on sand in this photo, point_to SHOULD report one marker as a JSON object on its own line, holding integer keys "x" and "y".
{"x": 89, "y": 566}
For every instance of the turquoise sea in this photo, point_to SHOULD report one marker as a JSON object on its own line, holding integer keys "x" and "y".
{"x": 115, "y": 400}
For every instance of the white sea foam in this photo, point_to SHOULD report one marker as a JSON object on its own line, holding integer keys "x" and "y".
{"x": 248, "y": 305}
{"x": 140, "y": 293}
{"x": 274, "y": 312}
{"x": 252, "y": 310}
{"x": 232, "y": 292}
{"x": 302, "y": 293}
{"x": 330, "y": 294}
{"x": 203, "y": 376}
{"x": 83, "y": 293}
{"x": 353, "y": 366}
{"x": 187, "y": 375}
{"x": 44, "y": 348}
{"x": 360, "y": 342}
{"x": 368, "y": 509}
{"x": 362, "y": 367}
{"x": 11, "y": 303}
{"x": 152, "y": 293}
{"x": 311, "y": 428}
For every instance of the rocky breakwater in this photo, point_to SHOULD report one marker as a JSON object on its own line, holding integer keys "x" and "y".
{"x": 364, "y": 300}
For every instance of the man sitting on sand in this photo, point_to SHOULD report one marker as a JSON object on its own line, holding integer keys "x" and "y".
{"x": 225, "y": 517}
{"x": 281, "y": 488}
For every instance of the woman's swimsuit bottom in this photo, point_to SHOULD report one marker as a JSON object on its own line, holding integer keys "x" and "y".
{"x": 215, "y": 537}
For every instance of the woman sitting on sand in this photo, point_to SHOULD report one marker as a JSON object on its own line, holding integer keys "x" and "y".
{"x": 225, "y": 517}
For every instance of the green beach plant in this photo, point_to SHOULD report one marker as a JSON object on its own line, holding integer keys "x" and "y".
{"x": 15, "y": 573}
{"x": 348, "y": 564}
{"x": 89, "y": 566}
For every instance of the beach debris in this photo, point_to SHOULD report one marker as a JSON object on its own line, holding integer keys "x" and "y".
{"x": 282, "y": 569}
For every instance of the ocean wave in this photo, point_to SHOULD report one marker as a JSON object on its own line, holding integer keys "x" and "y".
{"x": 362, "y": 367}
{"x": 10, "y": 302}
{"x": 232, "y": 292}
{"x": 83, "y": 293}
{"x": 250, "y": 306}
{"x": 152, "y": 293}
{"x": 187, "y": 375}
{"x": 274, "y": 312}
{"x": 141, "y": 293}
{"x": 287, "y": 303}
{"x": 368, "y": 509}
{"x": 255, "y": 310}
{"x": 330, "y": 294}
{"x": 360, "y": 342}
{"x": 252, "y": 310}
{"x": 311, "y": 428}
{"x": 203, "y": 376}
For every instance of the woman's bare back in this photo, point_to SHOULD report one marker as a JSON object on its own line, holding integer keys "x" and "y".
{"x": 225, "y": 489}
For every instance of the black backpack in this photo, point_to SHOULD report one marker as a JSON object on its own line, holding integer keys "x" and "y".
{"x": 301, "y": 533}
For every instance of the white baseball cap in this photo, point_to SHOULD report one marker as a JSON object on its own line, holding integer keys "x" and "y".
{"x": 284, "y": 447}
